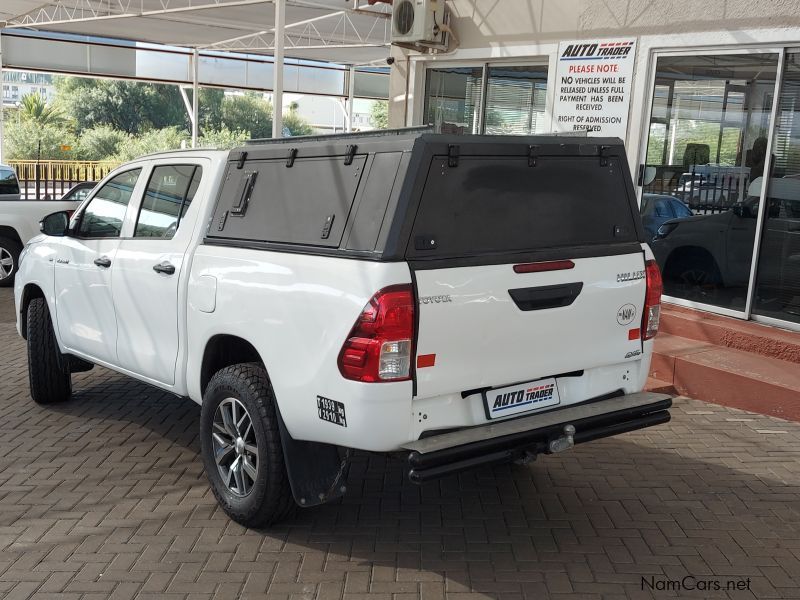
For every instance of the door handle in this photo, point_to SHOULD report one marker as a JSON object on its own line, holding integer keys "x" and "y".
{"x": 103, "y": 261}
{"x": 165, "y": 268}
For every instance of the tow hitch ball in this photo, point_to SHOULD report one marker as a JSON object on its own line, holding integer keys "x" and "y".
{"x": 563, "y": 442}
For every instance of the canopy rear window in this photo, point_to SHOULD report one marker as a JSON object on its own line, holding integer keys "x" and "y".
{"x": 490, "y": 205}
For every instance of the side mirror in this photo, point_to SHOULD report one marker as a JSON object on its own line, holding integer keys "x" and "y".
{"x": 742, "y": 211}
{"x": 55, "y": 224}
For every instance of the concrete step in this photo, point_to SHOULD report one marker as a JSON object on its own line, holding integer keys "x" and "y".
{"x": 728, "y": 332}
{"x": 659, "y": 386}
{"x": 728, "y": 376}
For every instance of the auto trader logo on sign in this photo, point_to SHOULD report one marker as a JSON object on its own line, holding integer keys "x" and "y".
{"x": 593, "y": 86}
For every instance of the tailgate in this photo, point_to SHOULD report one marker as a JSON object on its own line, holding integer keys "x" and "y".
{"x": 566, "y": 217}
{"x": 489, "y": 326}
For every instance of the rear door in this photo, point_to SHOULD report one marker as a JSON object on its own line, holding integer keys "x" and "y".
{"x": 149, "y": 267}
{"x": 525, "y": 270}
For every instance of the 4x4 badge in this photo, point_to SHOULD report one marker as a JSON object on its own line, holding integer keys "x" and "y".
{"x": 626, "y": 314}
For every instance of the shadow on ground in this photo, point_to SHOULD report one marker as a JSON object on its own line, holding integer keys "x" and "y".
{"x": 106, "y": 495}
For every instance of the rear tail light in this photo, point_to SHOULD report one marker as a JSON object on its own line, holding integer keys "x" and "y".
{"x": 381, "y": 343}
{"x": 652, "y": 300}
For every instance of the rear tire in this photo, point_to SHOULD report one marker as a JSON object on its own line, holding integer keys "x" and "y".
{"x": 241, "y": 446}
{"x": 49, "y": 379}
{"x": 9, "y": 261}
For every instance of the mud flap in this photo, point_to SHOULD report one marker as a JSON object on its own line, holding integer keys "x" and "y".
{"x": 317, "y": 472}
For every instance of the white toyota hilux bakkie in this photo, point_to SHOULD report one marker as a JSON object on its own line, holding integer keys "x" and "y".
{"x": 454, "y": 301}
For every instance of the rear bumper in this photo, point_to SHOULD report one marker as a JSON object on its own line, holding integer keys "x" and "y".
{"x": 448, "y": 453}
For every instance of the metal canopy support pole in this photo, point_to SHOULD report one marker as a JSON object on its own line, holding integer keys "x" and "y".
{"x": 351, "y": 88}
{"x": 195, "y": 96}
{"x": 2, "y": 136}
{"x": 277, "y": 79}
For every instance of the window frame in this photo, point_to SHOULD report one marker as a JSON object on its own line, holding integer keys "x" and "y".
{"x": 88, "y": 202}
{"x": 479, "y": 127}
{"x": 195, "y": 166}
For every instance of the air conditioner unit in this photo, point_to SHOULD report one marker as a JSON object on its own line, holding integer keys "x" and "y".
{"x": 418, "y": 21}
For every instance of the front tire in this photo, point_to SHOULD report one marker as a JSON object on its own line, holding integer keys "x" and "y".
{"x": 241, "y": 446}
{"x": 9, "y": 261}
{"x": 49, "y": 379}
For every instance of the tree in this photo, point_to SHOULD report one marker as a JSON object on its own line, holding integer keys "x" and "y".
{"x": 34, "y": 108}
{"x": 101, "y": 143}
{"x": 156, "y": 140}
{"x": 247, "y": 113}
{"x": 128, "y": 106}
{"x": 210, "y": 108}
{"x": 222, "y": 139}
{"x": 23, "y": 138}
{"x": 379, "y": 114}
{"x": 296, "y": 124}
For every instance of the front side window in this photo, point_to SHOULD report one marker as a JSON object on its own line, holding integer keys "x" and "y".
{"x": 104, "y": 215}
{"x": 168, "y": 196}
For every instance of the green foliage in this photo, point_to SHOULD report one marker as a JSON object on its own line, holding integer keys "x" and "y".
{"x": 222, "y": 139}
{"x": 22, "y": 141}
{"x": 247, "y": 113}
{"x": 101, "y": 142}
{"x": 122, "y": 120}
{"x": 156, "y": 140}
{"x": 296, "y": 124}
{"x": 379, "y": 114}
{"x": 129, "y": 106}
{"x": 210, "y": 108}
{"x": 34, "y": 108}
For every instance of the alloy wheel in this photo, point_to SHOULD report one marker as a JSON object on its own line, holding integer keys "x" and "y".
{"x": 235, "y": 446}
{"x": 6, "y": 263}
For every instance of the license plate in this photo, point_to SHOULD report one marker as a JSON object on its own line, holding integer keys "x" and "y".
{"x": 520, "y": 398}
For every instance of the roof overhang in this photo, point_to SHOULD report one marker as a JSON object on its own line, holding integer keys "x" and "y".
{"x": 340, "y": 31}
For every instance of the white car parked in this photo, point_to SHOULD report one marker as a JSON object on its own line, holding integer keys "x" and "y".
{"x": 19, "y": 222}
{"x": 454, "y": 301}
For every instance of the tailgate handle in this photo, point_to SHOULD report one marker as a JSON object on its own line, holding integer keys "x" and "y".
{"x": 545, "y": 296}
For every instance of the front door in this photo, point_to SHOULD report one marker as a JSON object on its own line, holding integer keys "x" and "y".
{"x": 148, "y": 268}
{"x": 84, "y": 264}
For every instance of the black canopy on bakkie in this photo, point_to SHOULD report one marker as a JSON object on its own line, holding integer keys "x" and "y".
{"x": 428, "y": 198}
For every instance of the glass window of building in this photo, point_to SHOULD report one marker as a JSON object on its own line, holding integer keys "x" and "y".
{"x": 493, "y": 99}
{"x": 452, "y": 98}
{"x": 777, "y": 289}
{"x": 515, "y": 100}
{"x": 708, "y": 134}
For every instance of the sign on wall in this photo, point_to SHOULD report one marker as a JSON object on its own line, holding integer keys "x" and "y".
{"x": 593, "y": 86}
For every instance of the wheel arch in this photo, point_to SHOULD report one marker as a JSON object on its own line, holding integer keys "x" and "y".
{"x": 690, "y": 254}
{"x": 224, "y": 350}
{"x": 29, "y": 292}
{"x": 10, "y": 233}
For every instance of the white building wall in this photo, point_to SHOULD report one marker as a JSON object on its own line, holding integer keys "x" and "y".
{"x": 529, "y": 31}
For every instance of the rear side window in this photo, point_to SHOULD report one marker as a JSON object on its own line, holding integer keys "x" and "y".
{"x": 8, "y": 182}
{"x": 168, "y": 196}
{"x": 489, "y": 205}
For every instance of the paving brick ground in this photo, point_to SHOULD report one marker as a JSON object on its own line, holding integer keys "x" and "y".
{"x": 105, "y": 497}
